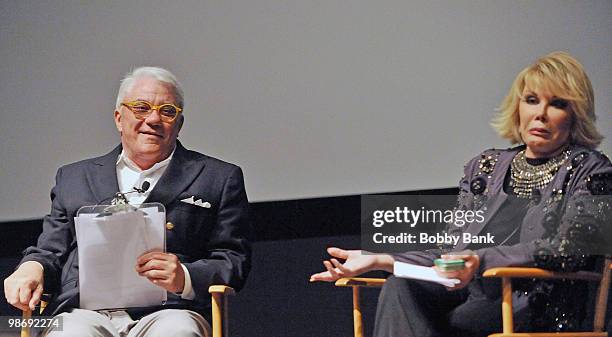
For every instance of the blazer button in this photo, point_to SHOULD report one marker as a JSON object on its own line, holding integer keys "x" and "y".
{"x": 169, "y": 225}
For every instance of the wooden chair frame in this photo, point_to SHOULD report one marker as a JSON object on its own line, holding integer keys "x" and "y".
{"x": 220, "y": 310}
{"x": 355, "y": 283}
{"x": 219, "y": 294}
{"x": 506, "y": 274}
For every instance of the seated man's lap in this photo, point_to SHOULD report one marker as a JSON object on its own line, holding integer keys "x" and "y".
{"x": 172, "y": 322}
{"x": 169, "y": 322}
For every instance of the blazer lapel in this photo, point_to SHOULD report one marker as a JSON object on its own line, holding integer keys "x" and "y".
{"x": 182, "y": 170}
{"x": 102, "y": 176}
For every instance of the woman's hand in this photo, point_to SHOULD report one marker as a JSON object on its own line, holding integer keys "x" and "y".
{"x": 356, "y": 262}
{"x": 465, "y": 275}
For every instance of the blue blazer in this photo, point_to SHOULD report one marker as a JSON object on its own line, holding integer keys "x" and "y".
{"x": 212, "y": 243}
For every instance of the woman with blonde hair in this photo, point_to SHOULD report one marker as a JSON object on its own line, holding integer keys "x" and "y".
{"x": 545, "y": 200}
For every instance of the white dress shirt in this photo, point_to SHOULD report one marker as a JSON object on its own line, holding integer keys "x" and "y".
{"x": 129, "y": 175}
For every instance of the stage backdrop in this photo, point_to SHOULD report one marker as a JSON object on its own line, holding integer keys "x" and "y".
{"x": 311, "y": 98}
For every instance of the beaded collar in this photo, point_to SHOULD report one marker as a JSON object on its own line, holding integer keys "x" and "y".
{"x": 525, "y": 177}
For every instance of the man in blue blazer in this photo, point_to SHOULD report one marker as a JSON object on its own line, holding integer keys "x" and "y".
{"x": 207, "y": 229}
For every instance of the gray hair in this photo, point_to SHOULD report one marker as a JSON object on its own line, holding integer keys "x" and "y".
{"x": 157, "y": 73}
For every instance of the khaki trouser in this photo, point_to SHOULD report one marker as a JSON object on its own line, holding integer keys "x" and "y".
{"x": 163, "y": 323}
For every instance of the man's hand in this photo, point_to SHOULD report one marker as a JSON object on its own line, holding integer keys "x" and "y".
{"x": 24, "y": 287}
{"x": 465, "y": 275}
{"x": 356, "y": 263}
{"x": 163, "y": 269}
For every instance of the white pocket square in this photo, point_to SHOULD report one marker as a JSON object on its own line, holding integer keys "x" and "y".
{"x": 191, "y": 200}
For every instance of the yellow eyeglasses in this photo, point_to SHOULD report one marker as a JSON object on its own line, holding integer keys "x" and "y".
{"x": 143, "y": 109}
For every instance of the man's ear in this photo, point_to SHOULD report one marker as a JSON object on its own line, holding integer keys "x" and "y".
{"x": 117, "y": 117}
{"x": 179, "y": 123}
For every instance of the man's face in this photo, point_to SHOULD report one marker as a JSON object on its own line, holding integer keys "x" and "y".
{"x": 149, "y": 140}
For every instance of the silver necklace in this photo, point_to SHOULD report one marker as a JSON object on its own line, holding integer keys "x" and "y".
{"x": 525, "y": 178}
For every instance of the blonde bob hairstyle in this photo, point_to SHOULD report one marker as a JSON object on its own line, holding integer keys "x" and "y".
{"x": 561, "y": 75}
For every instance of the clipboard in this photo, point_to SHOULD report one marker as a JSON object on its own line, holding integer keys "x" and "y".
{"x": 109, "y": 240}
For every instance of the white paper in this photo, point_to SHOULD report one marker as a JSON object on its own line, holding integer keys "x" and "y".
{"x": 407, "y": 270}
{"x": 108, "y": 248}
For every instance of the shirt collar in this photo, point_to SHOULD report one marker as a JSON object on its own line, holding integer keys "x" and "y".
{"x": 125, "y": 160}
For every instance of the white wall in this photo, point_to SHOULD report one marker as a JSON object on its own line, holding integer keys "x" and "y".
{"x": 311, "y": 98}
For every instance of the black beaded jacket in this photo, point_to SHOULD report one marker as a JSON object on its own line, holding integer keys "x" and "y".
{"x": 567, "y": 224}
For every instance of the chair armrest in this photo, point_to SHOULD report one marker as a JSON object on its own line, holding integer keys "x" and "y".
{"x": 221, "y": 289}
{"x": 522, "y": 272}
{"x": 360, "y": 282}
{"x": 220, "y": 317}
{"x": 27, "y": 314}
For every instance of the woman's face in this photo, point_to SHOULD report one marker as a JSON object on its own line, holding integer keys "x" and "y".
{"x": 544, "y": 123}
